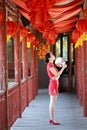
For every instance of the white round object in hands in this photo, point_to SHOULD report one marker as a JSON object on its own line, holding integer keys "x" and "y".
{"x": 59, "y": 61}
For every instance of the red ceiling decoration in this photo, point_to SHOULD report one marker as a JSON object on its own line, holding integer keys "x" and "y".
{"x": 50, "y": 17}
{"x": 65, "y": 7}
{"x": 65, "y": 22}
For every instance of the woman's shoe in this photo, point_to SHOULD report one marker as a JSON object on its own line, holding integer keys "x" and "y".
{"x": 53, "y": 122}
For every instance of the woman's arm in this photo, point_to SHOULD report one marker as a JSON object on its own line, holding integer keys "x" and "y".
{"x": 57, "y": 74}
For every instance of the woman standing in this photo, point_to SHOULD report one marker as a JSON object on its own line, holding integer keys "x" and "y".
{"x": 54, "y": 75}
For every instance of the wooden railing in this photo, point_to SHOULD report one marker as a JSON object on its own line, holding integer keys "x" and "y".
{"x": 19, "y": 97}
{"x": 2, "y": 111}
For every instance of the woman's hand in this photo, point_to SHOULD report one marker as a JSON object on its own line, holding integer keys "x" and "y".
{"x": 64, "y": 66}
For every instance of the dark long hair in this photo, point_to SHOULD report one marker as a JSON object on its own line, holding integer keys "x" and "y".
{"x": 47, "y": 56}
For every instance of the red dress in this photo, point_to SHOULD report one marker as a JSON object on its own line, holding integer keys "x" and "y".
{"x": 53, "y": 84}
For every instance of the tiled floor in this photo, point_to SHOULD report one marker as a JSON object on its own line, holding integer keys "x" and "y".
{"x": 67, "y": 111}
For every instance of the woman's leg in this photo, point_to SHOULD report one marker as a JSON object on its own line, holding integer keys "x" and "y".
{"x": 52, "y": 106}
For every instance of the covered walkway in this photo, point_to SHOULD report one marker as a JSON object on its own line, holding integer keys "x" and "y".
{"x": 68, "y": 113}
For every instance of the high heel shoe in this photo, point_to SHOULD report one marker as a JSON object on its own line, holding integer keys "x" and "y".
{"x": 53, "y": 122}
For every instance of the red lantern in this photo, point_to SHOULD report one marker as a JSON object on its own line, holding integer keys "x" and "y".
{"x": 35, "y": 43}
{"x": 75, "y": 35}
{"x": 81, "y": 25}
{"x": 12, "y": 28}
{"x": 30, "y": 37}
{"x": 23, "y": 31}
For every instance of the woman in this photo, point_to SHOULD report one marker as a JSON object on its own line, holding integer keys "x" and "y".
{"x": 53, "y": 85}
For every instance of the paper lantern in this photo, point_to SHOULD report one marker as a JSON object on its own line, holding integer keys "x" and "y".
{"x": 75, "y": 35}
{"x": 12, "y": 27}
{"x": 30, "y": 37}
{"x": 81, "y": 25}
{"x": 35, "y": 43}
{"x": 23, "y": 31}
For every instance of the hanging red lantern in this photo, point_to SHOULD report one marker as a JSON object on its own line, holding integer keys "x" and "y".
{"x": 49, "y": 33}
{"x": 35, "y": 43}
{"x": 30, "y": 37}
{"x": 75, "y": 35}
{"x": 12, "y": 28}
{"x": 81, "y": 25}
{"x": 23, "y": 31}
{"x": 1, "y": 16}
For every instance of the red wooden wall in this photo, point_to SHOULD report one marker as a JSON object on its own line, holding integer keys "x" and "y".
{"x": 2, "y": 111}
{"x": 29, "y": 89}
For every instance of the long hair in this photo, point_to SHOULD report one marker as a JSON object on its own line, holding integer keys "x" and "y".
{"x": 47, "y": 56}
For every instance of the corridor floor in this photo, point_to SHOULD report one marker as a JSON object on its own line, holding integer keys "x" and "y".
{"x": 67, "y": 111}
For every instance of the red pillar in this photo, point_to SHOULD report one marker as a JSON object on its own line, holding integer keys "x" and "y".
{"x": 24, "y": 58}
{"x": 17, "y": 58}
{"x": 25, "y": 64}
{"x": 32, "y": 69}
{"x": 78, "y": 73}
{"x": 3, "y": 68}
{"x": 85, "y": 79}
{"x": 81, "y": 74}
{"x": 35, "y": 63}
{"x": 17, "y": 66}
{"x": 36, "y": 72}
{"x": 31, "y": 59}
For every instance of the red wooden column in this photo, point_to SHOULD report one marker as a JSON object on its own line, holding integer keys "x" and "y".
{"x": 85, "y": 79}
{"x": 35, "y": 63}
{"x": 31, "y": 59}
{"x": 25, "y": 63}
{"x": 3, "y": 69}
{"x": 36, "y": 71}
{"x": 24, "y": 58}
{"x": 32, "y": 69}
{"x": 76, "y": 70}
{"x": 17, "y": 66}
{"x": 81, "y": 74}
{"x": 78, "y": 73}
